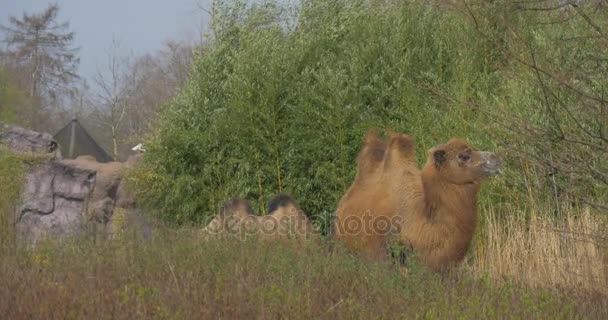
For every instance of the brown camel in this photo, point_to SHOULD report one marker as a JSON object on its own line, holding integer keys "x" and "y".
{"x": 285, "y": 220}
{"x": 433, "y": 210}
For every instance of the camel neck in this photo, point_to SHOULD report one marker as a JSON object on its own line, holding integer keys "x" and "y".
{"x": 442, "y": 197}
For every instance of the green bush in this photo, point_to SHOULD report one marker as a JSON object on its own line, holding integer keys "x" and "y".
{"x": 282, "y": 98}
{"x": 281, "y": 101}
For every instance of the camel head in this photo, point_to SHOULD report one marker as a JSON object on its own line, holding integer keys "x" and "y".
{"x": 458, "y": 163}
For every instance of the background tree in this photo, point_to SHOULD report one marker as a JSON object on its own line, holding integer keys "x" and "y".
{"x": 40, "y": 52}
{"x": 554, "y": 55}
{"x": 129, "y": 92}
{"x": 114, "y": 85}
{"x": 156, "y": 79}
{"x": 15, "y": 106}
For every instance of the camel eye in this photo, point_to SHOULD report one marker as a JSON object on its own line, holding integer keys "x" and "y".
{"x": 465, "y": 157}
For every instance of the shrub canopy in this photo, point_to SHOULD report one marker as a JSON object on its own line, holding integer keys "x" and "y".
{"x": 282, "y": 97}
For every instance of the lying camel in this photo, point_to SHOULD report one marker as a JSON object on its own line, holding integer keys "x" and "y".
{"x": 285, "y": 220}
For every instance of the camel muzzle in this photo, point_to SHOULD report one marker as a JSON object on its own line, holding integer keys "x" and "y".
{"x": 492, "y": 164}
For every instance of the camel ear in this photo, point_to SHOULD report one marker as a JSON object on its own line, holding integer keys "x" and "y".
{"x": 439, "y": 156}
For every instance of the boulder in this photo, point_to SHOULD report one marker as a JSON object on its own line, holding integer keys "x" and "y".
{"x": 108, "y": 177}
{"x": 55, "y": 200}
{"x": 63, "y": 198}
{"x": 22, "y": 140}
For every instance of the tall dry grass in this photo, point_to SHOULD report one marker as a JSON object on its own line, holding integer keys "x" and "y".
{"x": 540, "y": 251}
{"x": 177, "y": 275}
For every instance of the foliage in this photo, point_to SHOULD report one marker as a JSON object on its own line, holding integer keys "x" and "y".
{"x": 131, "y": 91}
{"x": 43, "y": 47}
{"x": 280, "y": 102}
{"x": 40, "y": 61}
{"x": 282, "y": 98}
{"x": 552, "y": 108}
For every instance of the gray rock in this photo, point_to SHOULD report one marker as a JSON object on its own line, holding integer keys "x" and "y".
{"x": 109, "y": 175}
{"x": 23, "y": 140}
{"x": 65, "y": 198}
{"x": 55, "y": 201}
{"x": 38, "y": 190}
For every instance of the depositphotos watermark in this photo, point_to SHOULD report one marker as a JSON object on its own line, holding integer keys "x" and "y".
{"x": 294, "y": 224}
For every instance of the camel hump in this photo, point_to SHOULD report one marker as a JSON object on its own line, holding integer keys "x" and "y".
{"x": 404, "y": 143}
{"x": 280, "y": 201}
{"x": 400, "y": 153}
{"x": 374, "y": 147}
{"x": 236, "y": 207}
{"x": 371, "y": 155}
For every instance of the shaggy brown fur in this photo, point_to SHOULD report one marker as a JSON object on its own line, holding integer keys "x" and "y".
{"x": 285, "y": 220}
{"x": 435, "y": 207}
{"x": 367, "y": 215}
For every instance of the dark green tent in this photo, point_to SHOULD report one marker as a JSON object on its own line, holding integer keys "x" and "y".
{"x": 75, "y": 141}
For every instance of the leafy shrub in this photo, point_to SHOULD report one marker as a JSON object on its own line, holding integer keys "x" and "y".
{"x": 281, "y": 100}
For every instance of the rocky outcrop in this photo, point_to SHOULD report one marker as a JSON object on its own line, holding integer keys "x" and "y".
{"x": 103, "y": 196}
{"x": 55, "y": 200}
{"x": 23, "y": 140}
{"x": 63, "y": 198}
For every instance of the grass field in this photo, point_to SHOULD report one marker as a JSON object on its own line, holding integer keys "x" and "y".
{"x": 513, "y": 272}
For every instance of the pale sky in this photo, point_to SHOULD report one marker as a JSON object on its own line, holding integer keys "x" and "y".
{"x": 141, "y": 26}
